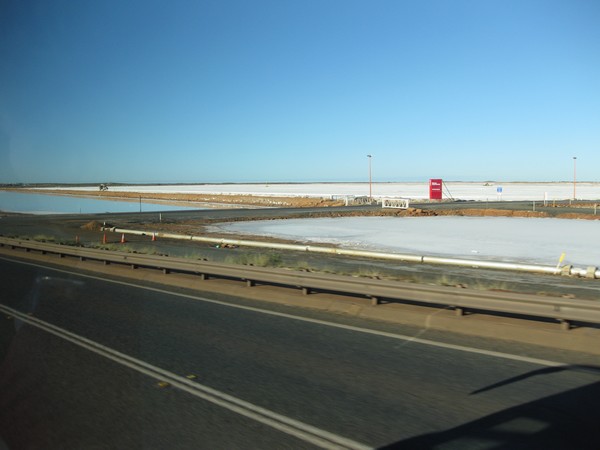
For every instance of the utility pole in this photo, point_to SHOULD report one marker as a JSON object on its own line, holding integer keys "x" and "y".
{"x": 370, "y": 181}
{"x": 574, "y": 177}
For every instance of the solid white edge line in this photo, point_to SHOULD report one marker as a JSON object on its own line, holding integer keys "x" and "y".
{"x": 462, "y": 348}
{"x": 287, "y": 425}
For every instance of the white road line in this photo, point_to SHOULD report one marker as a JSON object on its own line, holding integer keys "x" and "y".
{"x": 300, "y": 430}
{"x": 462, "y": 348}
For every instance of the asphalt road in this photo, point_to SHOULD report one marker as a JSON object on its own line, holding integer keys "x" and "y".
{"x": 375, "y": 390}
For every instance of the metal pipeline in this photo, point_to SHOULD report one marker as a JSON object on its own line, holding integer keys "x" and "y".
{"x": 590, "y": 272}
{"x": 476, "y": 264}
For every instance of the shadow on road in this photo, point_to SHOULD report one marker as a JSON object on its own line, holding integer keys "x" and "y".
{"x": 569, "y": 420}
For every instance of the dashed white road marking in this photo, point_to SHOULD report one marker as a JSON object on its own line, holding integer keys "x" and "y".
{"x": 292, "y": 427}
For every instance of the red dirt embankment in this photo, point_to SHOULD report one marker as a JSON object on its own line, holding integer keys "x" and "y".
{"x": 230, "y": 199}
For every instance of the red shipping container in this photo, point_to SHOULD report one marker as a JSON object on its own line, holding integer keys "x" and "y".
{"x": 435, "y": 189}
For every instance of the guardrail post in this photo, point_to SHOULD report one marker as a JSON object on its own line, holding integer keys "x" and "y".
{"x": 565, "y": 324}
{"x": 249, "y": 283}
{"x": 459, "y": 312}
{"x": 166, "y": 271}
{"x": 374, "y": 300}
{"x": 203, "y": 276}
{"x": 305, "y": 291}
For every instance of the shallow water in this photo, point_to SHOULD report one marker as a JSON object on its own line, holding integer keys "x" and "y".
{"x": 58, "y": 204}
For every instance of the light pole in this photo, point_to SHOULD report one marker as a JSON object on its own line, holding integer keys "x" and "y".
{"x": 370, "y": 189}
{"x": 574, "y": 177}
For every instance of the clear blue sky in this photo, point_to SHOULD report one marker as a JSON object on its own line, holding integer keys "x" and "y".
{"x": 299, "y": 90}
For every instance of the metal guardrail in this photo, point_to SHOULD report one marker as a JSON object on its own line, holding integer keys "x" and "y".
{"x": 558, "y": 308}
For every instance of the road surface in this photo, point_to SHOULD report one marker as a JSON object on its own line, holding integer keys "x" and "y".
{"x": 151, "y": 358}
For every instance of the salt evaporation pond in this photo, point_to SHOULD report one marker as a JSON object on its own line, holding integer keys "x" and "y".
{"x": 510, "y": 239}
{"x": 58, "y": 204}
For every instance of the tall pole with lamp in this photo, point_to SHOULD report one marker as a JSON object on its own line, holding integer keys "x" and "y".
{"x": 370, "y": 184}
{"x": 574, "y": 177}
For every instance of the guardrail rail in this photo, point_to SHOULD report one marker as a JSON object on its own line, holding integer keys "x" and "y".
{"x": 561, "y": 309}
